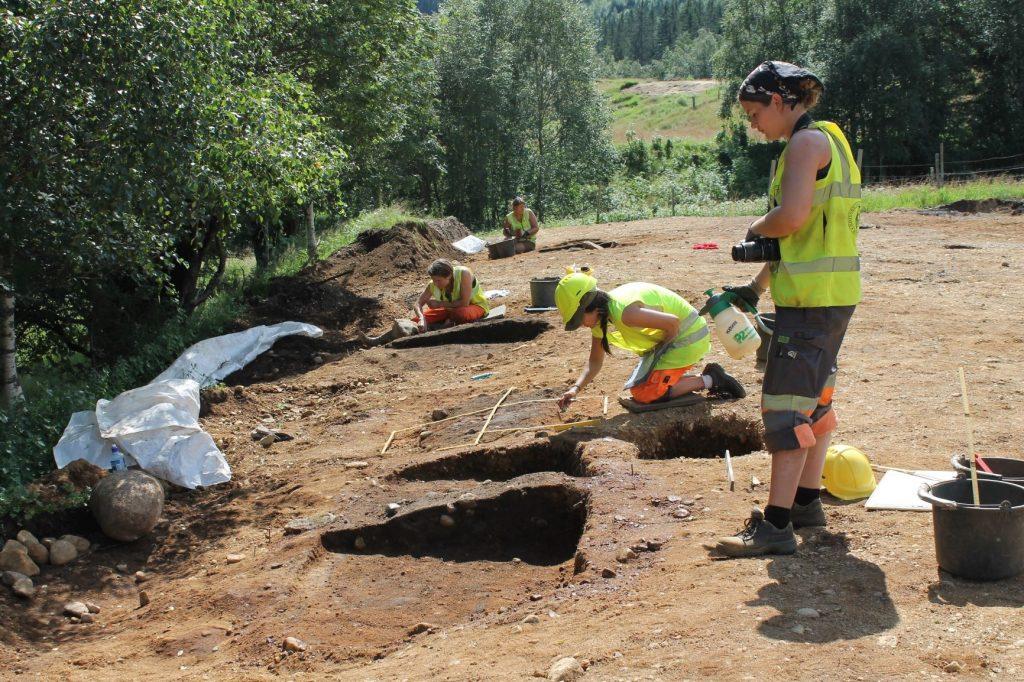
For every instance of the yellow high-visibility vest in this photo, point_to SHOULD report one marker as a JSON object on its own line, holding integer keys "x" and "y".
{"x": 820, "y": 263}
{"x": 477, "y": 297}
{"x": 693, "y": 341}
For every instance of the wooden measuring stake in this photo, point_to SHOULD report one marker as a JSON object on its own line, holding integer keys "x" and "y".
{"x": 388, "y": 444}
{"x": 605, "y": 411}
{"x": 491, "y": 415}
{"x": 970, "y": 437}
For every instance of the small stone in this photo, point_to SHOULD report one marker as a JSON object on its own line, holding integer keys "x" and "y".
{"x": 294, "y": 644}
{"x": 565, "y": 669}
{"x": 24, "y": 588}
{"x": 76, "y": 608}
{"x": 360, "y": 543}
{"x": 608, "y": 573}
{"x": 447, "y": 521}
{"x": 12, "y": 559}
{"x": 268, "y": 440}
{"x": 532, "y": 619}
{"x": 318, "y": 359}
{"x": 121, "y": 568}
{"x": 689, "y": 501}
{"x": 580, "y": 562}
{"x": 953, "y": 667}
{"x": 306, "y": 523}
{"x": 38, "y": 553}
{"x": 92, "y": 607}
{"x": 681, "y": 513}
{"x": 127, "y": 505}
{"x": 358, "y": 464}
{"x": 143, "y": 598}
{"x": 62, "y": 552}
{"x": 654, "y": 545}
{"x": 536, "y": 597}
{"x": 235, "y": 558}
{"x": 26, "y": 538}
{"x": 81, "y": 544}
{"x": 672, "y": 499}
{"x": 798, "y": 629}
{"x": 10, "y": 577}
{"x": 625, "y": 554}
{"x": 87, "y": 618}
{"x": 437, "y": 415}
{"x": 420, "y": 628}
{"x": 141, "y": 577}
{"x": 808, "y": 613}
{"x": 889, "y": 641}
{"x": 15, "y": 546}
{"x": 620, "y": 518}
{"x": 392, "y": 508}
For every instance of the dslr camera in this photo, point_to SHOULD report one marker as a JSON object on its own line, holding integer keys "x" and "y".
{"x": 757, "y": 250}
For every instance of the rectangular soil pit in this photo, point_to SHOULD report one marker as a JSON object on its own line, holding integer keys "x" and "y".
{"x": 539, "y": 524}
{"x": 490, "y": 331}
{"x": 501, "y": 463}
{"x": 707, "y": 437}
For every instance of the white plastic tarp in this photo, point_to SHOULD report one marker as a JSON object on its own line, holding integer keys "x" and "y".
{"x": 157, "y": 425}
{"x": 471, "y": 244}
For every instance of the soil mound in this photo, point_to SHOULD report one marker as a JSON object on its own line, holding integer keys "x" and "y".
{"x": 347, "y": 288}
{"x": 985, "y": 206}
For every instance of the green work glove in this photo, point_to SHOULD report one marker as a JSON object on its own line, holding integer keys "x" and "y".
{"x": 746, "y": 293}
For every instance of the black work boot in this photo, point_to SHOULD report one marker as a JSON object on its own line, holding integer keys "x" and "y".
{"x": 807, "y": 515}
{"x": 758, "y": 537}
{"x": 722, "y": 383}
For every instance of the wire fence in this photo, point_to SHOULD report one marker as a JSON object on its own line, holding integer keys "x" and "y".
{"x": 1011, "y": 165}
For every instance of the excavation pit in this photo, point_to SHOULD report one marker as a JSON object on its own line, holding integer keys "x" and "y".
{"x": 490, "y": 331}
{"x": 706, "y": 438}
{"x": 539, "y": 523}
{"x": 502, "y": 463}
{"x": 582, "y": 245}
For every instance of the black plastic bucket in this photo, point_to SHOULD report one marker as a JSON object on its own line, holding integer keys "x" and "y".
{"x": 502, "y": 249}
{"x": 1003, "y": 468}
{"x": 542, "y": 291}
{"x": 983, "y": 542}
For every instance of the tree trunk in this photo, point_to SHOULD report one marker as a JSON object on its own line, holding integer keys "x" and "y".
{"x": 10, "y": 386}
{"x": 311, "y": 241}
{"x": 540, "y": 165}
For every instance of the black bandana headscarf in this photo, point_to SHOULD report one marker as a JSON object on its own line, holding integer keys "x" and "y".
{"x": 791, "y": 82}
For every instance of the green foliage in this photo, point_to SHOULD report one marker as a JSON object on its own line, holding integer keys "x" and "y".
{"x": 666, "y": 115}
{"x": 643, "y": 31}
{"x": 518, "y": 110}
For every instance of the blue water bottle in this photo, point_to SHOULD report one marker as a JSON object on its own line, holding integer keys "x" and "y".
{"x": 116, "y": 459}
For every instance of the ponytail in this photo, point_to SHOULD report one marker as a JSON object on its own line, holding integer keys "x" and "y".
{"x": 599, "y": 302}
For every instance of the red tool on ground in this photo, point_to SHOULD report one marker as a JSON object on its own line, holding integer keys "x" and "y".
{"x": 982, "y": 464}
{"x": 706, "y": 246}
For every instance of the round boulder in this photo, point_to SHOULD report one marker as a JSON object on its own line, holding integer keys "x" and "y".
{"x": 127, "y": 504}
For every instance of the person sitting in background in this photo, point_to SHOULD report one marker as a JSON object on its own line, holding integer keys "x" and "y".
{"x": 522, "y": 224}
{"x": 452, "y": 297}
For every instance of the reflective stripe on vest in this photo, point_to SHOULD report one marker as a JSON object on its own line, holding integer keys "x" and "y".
{"x": 820, "y": 264}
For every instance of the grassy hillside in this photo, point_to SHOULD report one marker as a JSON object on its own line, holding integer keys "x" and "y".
{"x": 663, "y": 108}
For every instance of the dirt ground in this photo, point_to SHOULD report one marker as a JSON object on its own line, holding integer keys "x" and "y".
{"x": 499, "y": 553}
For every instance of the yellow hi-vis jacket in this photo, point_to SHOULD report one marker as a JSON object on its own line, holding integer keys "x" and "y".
{"x": 477, "y": 297}
{"x": 820, "y": 263}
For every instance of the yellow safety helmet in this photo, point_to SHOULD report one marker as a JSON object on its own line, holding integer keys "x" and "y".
{"x": 572, "y": 295}
{"x": 847, "y": 473}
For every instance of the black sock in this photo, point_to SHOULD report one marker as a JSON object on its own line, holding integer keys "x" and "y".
{"x": 804, "y": 496}
{"x": 777, "y": 516}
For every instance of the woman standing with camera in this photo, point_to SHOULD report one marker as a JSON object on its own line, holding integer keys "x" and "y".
{"x": 809, "y": 238}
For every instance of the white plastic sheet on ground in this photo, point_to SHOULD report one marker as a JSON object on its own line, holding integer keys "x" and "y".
{"x": 157, "y": 425}
{"x": 471, "y": 244}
